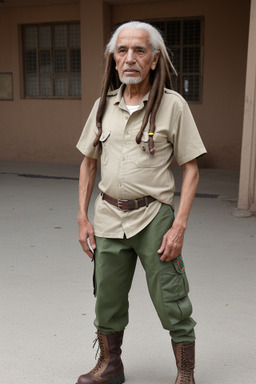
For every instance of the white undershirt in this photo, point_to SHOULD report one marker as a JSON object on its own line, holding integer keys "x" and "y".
{"x": 132, "y": 108}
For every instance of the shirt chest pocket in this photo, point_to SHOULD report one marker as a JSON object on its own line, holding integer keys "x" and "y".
{"x": 144, "y": 159}
{"x": 104, "y": 140}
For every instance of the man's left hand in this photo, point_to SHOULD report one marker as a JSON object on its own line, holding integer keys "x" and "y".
{"x": 172, "y": 243}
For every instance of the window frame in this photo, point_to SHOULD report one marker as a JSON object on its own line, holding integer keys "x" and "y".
{"x": 181, "y": 47}
{"x": 52, "y": 49}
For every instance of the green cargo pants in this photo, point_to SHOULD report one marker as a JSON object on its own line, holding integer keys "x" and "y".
{"x": 115, "y": 261}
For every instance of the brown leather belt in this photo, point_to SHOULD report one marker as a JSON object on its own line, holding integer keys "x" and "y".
{"x": 128, "y": 205}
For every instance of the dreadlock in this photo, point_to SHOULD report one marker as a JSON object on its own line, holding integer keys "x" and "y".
{"x": 110, "y": 81}
{"x": 160, "y": 78}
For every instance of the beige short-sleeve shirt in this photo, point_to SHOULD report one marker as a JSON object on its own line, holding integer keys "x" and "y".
{"x": 128, "y": 170}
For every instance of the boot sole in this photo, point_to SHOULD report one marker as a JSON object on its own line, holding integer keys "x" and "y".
{"x": 117, "y": 380}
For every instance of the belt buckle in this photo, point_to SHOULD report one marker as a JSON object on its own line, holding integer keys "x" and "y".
{"x": 120, "y": 205}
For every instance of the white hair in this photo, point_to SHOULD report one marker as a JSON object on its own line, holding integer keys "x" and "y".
{"x": 155, "y": 38}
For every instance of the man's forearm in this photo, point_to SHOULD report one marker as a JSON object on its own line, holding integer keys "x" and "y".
{"x": 88, "y": 170}
{"x": 173, "y": 240}
{"x": 188, "y": 190}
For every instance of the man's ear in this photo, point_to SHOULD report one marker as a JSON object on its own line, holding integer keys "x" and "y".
{"x": 155, "y": 61}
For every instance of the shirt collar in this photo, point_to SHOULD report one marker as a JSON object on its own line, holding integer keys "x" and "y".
{"x": 119, "y": 100}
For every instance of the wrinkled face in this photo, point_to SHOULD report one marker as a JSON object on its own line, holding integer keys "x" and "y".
{"x": 133, "y": 56}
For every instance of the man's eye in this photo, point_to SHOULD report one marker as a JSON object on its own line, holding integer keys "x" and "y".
{"x": 140, "y": 51}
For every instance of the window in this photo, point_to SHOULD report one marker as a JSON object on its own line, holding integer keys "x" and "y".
{"x": 183, "y": 37}
{"x": 51, "y": 60}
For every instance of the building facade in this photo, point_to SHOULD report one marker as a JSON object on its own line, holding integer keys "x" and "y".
{"x": 51, "y": 64}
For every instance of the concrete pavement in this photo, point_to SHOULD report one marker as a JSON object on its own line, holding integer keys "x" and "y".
{"x": 46, "y": 291}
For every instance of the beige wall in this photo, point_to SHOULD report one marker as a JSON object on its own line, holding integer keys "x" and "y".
{"x": 47, "y": 130}
{"x": 35, "y": 130}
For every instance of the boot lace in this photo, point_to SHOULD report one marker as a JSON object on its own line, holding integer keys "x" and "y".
{"x": 186, "y": 373}
{"x": 100, "y": 349}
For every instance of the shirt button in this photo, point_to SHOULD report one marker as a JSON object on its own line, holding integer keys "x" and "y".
{"x": 126, "y": 117}
{"x": 123, "y": 158}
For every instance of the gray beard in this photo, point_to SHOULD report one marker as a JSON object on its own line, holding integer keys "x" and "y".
{"x": 130, "y": 80}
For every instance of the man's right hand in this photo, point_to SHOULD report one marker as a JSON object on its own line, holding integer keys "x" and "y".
{"x": 86, "y": 234}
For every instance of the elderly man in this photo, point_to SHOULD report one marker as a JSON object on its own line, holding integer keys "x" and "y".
{"x": 136, "y": 128}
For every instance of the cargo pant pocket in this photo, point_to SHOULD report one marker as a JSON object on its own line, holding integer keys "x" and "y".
{"x": 173, "y": 279}
{"x": 175, "y": 288}
{"x": 179, "y": 310}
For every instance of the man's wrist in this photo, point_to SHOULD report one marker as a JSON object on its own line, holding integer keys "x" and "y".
{"x": 82, "y": 217}
{"x": 180, "y": 224}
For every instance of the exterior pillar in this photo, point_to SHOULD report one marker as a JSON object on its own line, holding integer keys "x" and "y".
{"x": 92, "y": 52}
{"x": 247, "y": 184}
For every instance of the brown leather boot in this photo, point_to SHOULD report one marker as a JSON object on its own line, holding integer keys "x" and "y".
{"x": 185, "y": 361}
{"x": 109, "y": 368}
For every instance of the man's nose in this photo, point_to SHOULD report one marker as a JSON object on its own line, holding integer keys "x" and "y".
{"x": 130, "y": 58}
